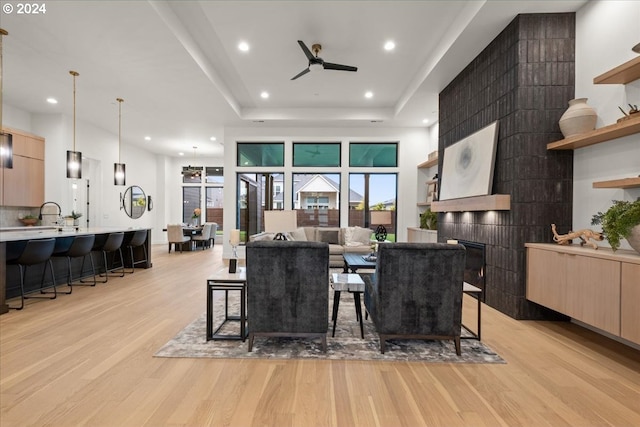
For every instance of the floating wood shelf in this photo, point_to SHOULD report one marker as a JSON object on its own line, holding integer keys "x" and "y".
{"x": 616, "y": 130}
{"x": 428, "y": 163}
{"x": 493, "y": 202}
{"x": 622, "y": 74}
{"x": 619, "y": 183}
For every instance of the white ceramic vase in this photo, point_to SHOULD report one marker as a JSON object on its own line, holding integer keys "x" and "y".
{"x": 634, "y": 238}
{"x": 578, "y": 118}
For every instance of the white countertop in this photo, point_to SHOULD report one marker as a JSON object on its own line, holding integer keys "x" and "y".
{"x": 12, "y": 234}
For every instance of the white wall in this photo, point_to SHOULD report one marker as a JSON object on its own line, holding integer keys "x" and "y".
{"x": 605, "y": 32}
{"x": 414, "y": 146}
{"x": 100, "y": 148}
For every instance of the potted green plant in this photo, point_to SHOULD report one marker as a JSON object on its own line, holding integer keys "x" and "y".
{"x": 429, "y": 220}
{"x": 621, "y": 220}
{"x": 29, "y": 220}
{"x": 72, "y": 219}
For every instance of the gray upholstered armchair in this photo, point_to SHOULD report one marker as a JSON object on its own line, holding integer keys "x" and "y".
{"x": 416, "y": 291}
{"x": 287, "y": 289}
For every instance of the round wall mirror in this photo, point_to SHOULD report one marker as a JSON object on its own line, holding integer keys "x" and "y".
{"x": 134, "y": 202}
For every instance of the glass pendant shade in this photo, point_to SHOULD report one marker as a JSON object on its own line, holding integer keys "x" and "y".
{"x": 6, "y": 150}
{"x": 74, "y": 164}
{"x": 119, "y": 174}
{"x": 74, "y": 158}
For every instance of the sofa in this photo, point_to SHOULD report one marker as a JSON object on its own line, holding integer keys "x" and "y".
{"x": 340, "y": 239}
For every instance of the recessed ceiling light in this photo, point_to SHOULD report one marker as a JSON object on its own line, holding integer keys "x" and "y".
{"x": 425, "y": 121}
{"x": 52, "y": 100}
{"x": 368, "y": 94}
{"x": 180, "y": 154}
{"x": 213, "y": 138}
{"x": 264, "y": 95}
{"x": 389, "y": 45}
{"x": 243, "y": 46}
{"x": 147, "y": 138}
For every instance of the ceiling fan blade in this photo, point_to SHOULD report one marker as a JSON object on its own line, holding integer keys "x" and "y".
{"x": 306, "y": 50}
{"x": 301, "y": 73}
{"x": 330, "y": 66}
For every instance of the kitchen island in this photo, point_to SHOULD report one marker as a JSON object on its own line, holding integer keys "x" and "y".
{"x": 13, "y": 240}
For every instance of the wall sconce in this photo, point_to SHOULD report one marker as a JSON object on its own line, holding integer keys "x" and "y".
{"x": 74, "y": 158}
{"x": 119, "y": 172}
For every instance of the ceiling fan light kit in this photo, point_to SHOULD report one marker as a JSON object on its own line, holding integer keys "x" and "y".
{"x": 316, "y": 63}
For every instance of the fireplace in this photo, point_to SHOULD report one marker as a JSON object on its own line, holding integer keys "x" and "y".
{"x": 475, "y": 264}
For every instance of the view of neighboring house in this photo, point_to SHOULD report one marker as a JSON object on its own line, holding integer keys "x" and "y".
{"x": 313, "y": 191}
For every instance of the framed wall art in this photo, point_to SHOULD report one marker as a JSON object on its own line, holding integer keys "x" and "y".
{"x": 467, "y": 166}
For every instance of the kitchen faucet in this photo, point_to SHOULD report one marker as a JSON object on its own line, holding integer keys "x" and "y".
{"x": 46, "y": 203}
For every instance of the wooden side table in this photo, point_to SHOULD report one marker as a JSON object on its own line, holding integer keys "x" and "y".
{"x": 225, "y": 281}
{"x": 468, "y": 288}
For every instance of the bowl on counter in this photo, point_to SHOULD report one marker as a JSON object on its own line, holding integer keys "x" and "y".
{"x": 29, "y": 221}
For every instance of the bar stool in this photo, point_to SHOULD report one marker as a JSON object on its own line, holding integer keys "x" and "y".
{"x": 35, "y": 252}
{"x": 80, "y": 247}
{"x": 112, "y": 244}
{"x": 138, "y": 239}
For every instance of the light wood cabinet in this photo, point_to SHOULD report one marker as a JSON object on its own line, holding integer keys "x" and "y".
{"x": 420, "y": 235}
{"x": 23, "y": 185}
{"x": 598, "y": 287}
{"x": 630, "y": 302}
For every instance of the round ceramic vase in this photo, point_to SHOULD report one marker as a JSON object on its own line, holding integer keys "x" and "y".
{"x": 578, "y": 118}
{"x": 634, "y": 238}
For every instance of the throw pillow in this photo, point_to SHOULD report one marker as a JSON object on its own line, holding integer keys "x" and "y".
{"x": 362, "y": 236}
{"x": 297, "y": 235}
{"x": 331, "y": 236}
{"x": 349, "y": 237}
{"x": 262, "y": 236}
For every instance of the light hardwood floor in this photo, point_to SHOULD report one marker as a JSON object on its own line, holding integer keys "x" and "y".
{"x": 87, "y": 359}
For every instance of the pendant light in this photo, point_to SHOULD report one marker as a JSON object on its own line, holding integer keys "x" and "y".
{"x": 192, "y": 172}
{"x": 119, "y": 174}
{"x": 6, "y": 146}
{"x": 74, "y": 158}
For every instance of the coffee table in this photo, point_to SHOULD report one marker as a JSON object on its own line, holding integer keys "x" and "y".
{"x": 354, "y": 261}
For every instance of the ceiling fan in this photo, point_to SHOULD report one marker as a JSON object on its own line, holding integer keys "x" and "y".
{"x": 316, "y": 63}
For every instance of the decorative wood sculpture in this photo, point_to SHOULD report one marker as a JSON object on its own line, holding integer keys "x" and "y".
{"x": 584, "y": 235}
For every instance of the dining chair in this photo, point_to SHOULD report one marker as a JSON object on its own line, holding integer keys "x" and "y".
{"x": 203, "y": 238}
{"x": 175, "y": 235}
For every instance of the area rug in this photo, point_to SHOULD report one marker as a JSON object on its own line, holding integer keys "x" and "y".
{"x": 346, "y": 345}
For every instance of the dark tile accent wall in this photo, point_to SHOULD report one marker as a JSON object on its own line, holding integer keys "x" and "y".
{"x": 524, "y": 79}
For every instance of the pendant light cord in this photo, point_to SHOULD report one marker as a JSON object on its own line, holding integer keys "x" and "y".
{"x": 120, "y": 101}
{"x": 74, "y": 74}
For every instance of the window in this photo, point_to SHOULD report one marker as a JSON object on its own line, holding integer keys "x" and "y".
{"x": 363, "y": 154}
{"x": 191, "y": 174}
{"x": 315, "y": 202}
{"x": 260, "y": 154}
{"x": 256, "y": 194}
{"x": 215, "y": 206}
{"x": 214, "y": 175}
{"x": 371, "y": 192}
{"x": 316, "y": 197}
{"x": 190, "y": 201}
{"x": 320, "y": 155}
